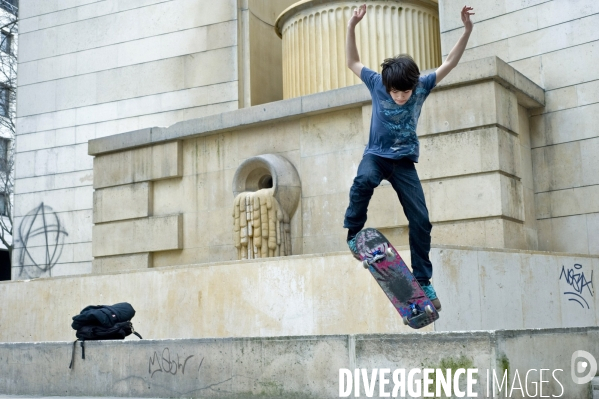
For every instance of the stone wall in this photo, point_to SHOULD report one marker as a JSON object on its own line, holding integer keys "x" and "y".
{"x": 475, "y": 168}
{"x": 296, "y": 367}
{"x": 331, "y": 293}
{"x": 555, "y": 44}
{"x": 90, "y": 69}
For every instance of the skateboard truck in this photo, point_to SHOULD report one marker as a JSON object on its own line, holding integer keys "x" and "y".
{"x": 379, "y": 255}
{"x": 416, "y": 312}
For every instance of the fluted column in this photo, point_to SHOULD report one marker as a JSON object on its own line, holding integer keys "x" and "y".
{"x": 313, "y": 33}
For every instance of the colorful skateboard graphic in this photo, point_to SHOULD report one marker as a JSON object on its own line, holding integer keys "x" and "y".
{"x": 395, "y": 279}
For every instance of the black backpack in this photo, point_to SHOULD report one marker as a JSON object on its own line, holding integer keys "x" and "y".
{"x": 102, "y": 322}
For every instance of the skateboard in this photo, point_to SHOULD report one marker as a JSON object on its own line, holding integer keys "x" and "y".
{"x": 395, "y": 279}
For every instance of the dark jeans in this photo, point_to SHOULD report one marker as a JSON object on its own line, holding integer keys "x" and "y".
{"x": 404, "y": 179}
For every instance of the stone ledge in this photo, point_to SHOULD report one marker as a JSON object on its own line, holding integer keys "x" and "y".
{"x": 492, "y": 68}
{"x": 296, "y": 367}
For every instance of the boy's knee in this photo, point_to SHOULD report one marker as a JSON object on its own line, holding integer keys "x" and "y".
{"x": 366, "y": 182}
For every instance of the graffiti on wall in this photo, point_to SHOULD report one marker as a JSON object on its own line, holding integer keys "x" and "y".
{"x": 163, "y": 363}
{"x": 41, "y": 239}
{"x": 579, "y": 286}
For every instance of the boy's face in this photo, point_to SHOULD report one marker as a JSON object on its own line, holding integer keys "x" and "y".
{"x": 400, "y": 97}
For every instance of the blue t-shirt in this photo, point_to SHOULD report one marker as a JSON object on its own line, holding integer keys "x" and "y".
{"x": 393, "y": 126}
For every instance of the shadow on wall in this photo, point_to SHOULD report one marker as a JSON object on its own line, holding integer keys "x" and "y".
{"x": 40, "y": 238}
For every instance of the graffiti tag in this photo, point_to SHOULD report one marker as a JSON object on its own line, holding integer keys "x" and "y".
{"x": 165, "y": 364}
{"x": 579, "y": 284}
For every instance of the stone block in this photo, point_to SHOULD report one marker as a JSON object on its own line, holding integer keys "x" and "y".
{"x": 70, "y": 269}
{"x": 449, "y": 270}
{"x": 37, "y": 141}
{"x": 186, "y": 195}
{"x": 329, "y": 173}
{"x": 570, "y": 173}
{"x": 187, "y": 256}
{"x": 492, "y": 233}
{"x": 323, "y": 243}
{"x": 593, "y": 231}
{"x": 496, "y": 271}
{"x": 578, "y": 58}
{"x": 156, "y": 162}
{"x": 62, "y": 200}
{"x": 564, "y": 234}
{"x": 97, "y": 113}
{"x": 91, "y": 60}
{"x": 207, "y": 67}
{"x": 568, "y": 125}
{"x": 385, "y": 210}
{"x": 136, "y": 80}
{"x": 588, "y": 93}
{"x": 590, "y": 161}
{"x": 478, "y": 195}
{"x": 538, "y": 275}
{"x": 112, "y": 264}
{"x": 574, "y": 201}
{"x": 498, "y": 49}
{"x": 76, "y": 91}
{"x": 554, "y": 14}
{"x": 25, "y": 164}
{"x": 322, "y": 212}
{"x": 272, "y": 138}
{"x": 123, "y": 202}
{"x": 450, "y": 110}
{"x": 37, "y": 99}
{"x": 531, "y": 68}
{"x": 480, "y": 150}
{"x": 575, "y": 290}
{"x": 321, "y": 134}
{"x": 152, "y": 234}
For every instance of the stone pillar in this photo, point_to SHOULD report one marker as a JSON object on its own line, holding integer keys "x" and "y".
{"x": 313, "y": 33}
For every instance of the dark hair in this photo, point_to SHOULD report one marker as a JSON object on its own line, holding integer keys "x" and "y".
{"x": 400, "y": 73}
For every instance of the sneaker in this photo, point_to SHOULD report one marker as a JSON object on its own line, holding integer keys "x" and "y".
{"x": 432, "y": 295}
{"x": 351, "y": 243}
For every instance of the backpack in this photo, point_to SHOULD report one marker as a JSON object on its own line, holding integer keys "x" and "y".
{"x": 102, "y": 322}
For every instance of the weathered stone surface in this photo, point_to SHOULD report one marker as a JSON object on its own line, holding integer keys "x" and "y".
{"x": 110, "y": 264}
{"x": 479, "y": 288}
{"x": 159, "y": 233}
{"x": 123, "y": 202}
{"x": 293, "y": 367}
{"x": 150, "y": 163}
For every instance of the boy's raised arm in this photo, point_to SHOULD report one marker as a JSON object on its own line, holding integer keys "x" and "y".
{"x": 351, "y": 50}
{"x": 456, "y": 52}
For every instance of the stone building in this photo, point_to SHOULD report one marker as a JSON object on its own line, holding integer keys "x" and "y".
{"x": 140, "y": 123}
{"x": 196, "y": 156}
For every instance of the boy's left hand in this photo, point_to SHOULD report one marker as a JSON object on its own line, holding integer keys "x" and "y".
{"x": 466, "y": 17}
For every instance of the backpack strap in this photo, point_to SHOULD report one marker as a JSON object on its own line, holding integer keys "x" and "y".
{"x": 73, "y": 354}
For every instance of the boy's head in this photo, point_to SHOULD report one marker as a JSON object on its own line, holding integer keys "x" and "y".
{"x": 400, "y": 76}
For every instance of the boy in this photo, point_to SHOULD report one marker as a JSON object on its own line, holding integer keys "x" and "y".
{"x": 397, "y": 97}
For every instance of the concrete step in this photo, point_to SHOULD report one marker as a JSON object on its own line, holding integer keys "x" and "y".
{"x": 298, "y": 367}
{"x": 322, "y": 294}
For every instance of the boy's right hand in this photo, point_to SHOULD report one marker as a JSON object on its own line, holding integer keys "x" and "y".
{"x": 357, "y": 15}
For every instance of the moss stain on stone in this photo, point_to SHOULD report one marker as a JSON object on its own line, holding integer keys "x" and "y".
{"x": 453, "y": 364}
{"x": 505, "y": 366}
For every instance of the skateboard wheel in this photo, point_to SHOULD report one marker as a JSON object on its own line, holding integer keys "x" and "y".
{"x": 390, "y": 254}
{"x": 365, "y": 264}
{"x": 405, "y": 320}
{"x": 428, "y": 309}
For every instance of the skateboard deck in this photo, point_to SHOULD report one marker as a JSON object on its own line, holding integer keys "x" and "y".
{"x": 395, "y": 279}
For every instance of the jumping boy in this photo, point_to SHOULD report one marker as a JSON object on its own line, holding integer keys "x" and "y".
{"x": 397, "y": 97}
